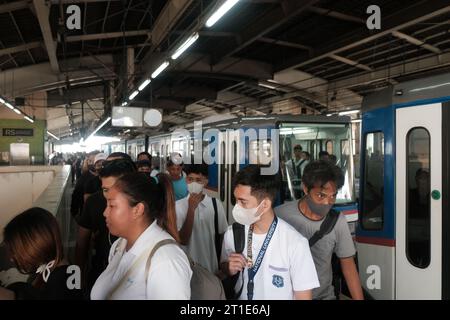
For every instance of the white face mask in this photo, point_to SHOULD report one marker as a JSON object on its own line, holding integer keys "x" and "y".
{"x": 246, "y": 216}
{"x": 195, "y": 187}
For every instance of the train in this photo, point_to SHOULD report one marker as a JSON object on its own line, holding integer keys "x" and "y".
{"x": 402, "y": 236}
{"x": 268, "y": 140}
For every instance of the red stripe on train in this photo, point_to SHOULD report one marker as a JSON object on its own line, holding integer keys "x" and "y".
{"x": 376, "y": 241}
{"x": 349, "y": 211}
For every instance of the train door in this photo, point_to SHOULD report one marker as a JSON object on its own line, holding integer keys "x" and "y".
{"x": 228, "y": 165}
{"x": 419, "y": 202}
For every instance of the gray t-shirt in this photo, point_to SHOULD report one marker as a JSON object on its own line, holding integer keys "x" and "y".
{"x": 339, "y": 241}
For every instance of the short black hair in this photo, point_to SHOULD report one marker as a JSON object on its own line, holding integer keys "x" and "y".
{"x": 298, "y": 147}
{"x": 116, "y": 168}
{"x": 149, "y": 156}
{"x": 320, "y": 172}
{"x": 261, "y": 185}
{"x": 323, "y": 153}
{"x": 121, "y": 155}
{"x": 197, "y": 169}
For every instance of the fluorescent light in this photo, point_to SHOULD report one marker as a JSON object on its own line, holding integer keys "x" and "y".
{"x": 124, "y": 103}
{"x": 99, "y": 127}
{"x": 28, "y": 119}
{"x": 185, "y": 45}
{"x": 9, "y": 105}
{"x": 51, "y": 134}
{"x": 16, "y": 111}
{"x": 126, "y": 131}
{"x": 266, "y": 86}
{"x": 144, "y": 84}
{"x": 133, "y": 95}
{"x": 329, "y": 114}
{"x": 356, "y": 121}
{"x": 343, "y": 113}
{"x": 160, "y": 69}
{"x": 220, "y": 12}
{"x": 2, "y": 101}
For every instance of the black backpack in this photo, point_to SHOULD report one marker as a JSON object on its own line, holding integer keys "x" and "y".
{"x": 230, "y": 282}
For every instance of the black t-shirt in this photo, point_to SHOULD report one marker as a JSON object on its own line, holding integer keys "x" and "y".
{"x": 55, "y": 288}
{"x": 76, "y": 205}
{"x": 92, "y": 218}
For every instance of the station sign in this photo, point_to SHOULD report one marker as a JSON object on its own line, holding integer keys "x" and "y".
{"x": 15, "y": 132}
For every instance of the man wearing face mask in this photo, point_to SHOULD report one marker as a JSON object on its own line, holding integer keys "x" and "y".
{"x": 276, "y": 262}
{"x": 196, "y": 220}
{"x": 321, "y": 181}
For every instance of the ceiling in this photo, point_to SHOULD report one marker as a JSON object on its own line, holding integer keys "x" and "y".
{"x": 262, "y": 57}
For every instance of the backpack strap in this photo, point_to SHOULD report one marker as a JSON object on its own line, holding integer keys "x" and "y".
{"x": 144, "y": 255}
{"x": 325, "y": 228}
{"x": 216, "y": 230}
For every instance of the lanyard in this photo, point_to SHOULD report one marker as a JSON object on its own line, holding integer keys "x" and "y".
{"x": 252, "y": 270}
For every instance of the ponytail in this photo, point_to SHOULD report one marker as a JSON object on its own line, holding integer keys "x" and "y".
{"x": 158, "y": 198}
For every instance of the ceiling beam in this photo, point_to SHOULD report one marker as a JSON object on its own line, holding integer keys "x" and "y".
{"x": 266, "y": 23}
{"x": 337, "y": 15}
{"x": 409, "y": 16}
{"x": 350, "y": 62}
{"x": 43, "y": 12}
{"x": 13, "y": 6}
{"x": 108, "y": 35}
{"x": 286, "y": 44}
{"x": 80, "y": 1}
{"x": 20, "y": 48}
{"x": 416, "y": 42}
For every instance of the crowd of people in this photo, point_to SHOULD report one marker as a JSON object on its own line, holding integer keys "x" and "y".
{"x": 125, "y": 210}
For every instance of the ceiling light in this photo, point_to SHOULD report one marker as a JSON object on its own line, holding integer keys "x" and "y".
{"x": 16, "y": 111}
{"x": 99, "y": 127}
{"x": 124, "y": 103}
{"x": 266, "y": 85}
{"x": 144, "y": 84}
{"x": 9, "y": 105}
{"x": 220, "y": 12}
{"x": 343, "y": 113}
{"x": 2, "y": 101}
{"x": 160, "y": 69}
{"x": 51, "y": 134}
{"x": 28, "y": 119}
{"x": 133, "y": 95}
{"x": 185, "y": 45}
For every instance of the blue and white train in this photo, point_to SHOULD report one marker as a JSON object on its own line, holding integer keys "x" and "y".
{"x": 403, "y": 231}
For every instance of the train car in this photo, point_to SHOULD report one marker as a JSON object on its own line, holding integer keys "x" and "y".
{"x": 234, "y": 143}
{"x": 402, "y": 235}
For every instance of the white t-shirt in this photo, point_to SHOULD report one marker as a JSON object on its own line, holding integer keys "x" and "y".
{"x": 201, "y": 247}
{"x": 286, "y": 267}
{"x": 168, "y": 278}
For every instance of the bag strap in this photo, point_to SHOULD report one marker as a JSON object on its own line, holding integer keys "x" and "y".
{"x": 144, "y": 255}
{"x": 325, "y": 228}
{"x": 216, "y": 230}
{"x": 239, "y": 244}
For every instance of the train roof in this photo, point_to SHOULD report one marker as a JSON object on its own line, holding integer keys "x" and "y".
{"x": 419, "y": 90}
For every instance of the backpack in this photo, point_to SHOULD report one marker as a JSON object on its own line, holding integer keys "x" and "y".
{"x": 204, "y": 284}
{"x": 229, "y": 283}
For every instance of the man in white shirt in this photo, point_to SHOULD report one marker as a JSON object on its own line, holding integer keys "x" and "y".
{"x": 295, "y": 167}
{"x": 276, "y": 262}
{"x": 196, "y": 220}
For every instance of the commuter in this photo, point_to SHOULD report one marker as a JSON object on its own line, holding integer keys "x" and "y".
{"x": 77, "y": 203}
{"x": 33, "y": 242}
{"x": 295, "y": 168}
{"x": 141, "y": 213}
{"x": 91, "y": 222}
{"x": 144, "y": 156}
{"x": 94, "y": 184}
{"x": 276, "y": 262}
{"x": 321, "y": 181}
{"x": 198, "y": 217}
{"x": 323, "y": 155}
{"x": 146, "y": 167}
{"x": 175, "y": 169}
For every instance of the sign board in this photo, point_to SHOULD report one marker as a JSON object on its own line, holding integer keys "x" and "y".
{"x": 15, "y": 132}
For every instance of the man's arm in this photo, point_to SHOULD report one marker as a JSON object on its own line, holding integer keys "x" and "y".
{"x": 351, "y": 276}
{"x": 82, "y": 249}
{"x": 6, "y": 294}
{"x": 236, "y": 263}
{"x": 303, "y": 295}
{"x": 186, "y": 229}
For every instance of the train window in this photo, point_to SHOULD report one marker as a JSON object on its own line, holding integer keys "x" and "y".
{"x": 260, "y": 152}
{"x": 329, "y": 146}
{"x": 372, "y": 211}
{"x": 418, "y": 197}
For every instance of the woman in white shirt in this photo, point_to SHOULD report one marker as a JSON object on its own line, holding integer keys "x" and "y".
{"x": 141, "y": 213}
